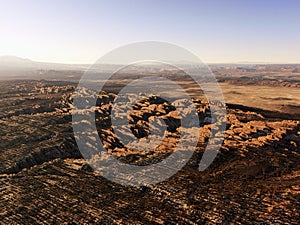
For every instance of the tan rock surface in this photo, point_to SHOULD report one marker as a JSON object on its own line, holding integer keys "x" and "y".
{"x": 254, "y": 179}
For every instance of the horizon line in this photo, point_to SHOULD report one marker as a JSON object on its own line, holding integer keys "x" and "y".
{"x": 217, "y": 63}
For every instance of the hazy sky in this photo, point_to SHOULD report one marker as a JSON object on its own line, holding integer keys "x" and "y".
{"x": 80, "y": 31}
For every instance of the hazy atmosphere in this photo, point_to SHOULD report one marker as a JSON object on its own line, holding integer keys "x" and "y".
{"x": 217, "y": 31}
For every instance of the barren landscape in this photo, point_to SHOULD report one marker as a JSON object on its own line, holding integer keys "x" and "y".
{"x": 254, "y": 179}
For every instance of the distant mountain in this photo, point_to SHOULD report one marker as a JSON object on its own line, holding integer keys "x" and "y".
{"x": 13, "y": 63}
{"x": 16, "y": 63}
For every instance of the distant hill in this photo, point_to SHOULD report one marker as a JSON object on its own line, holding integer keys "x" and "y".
{"x": 16, "y": 63}
{"x": 13, "y": 63}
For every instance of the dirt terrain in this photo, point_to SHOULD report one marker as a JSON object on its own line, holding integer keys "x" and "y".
{"x": 254, "y": 179}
